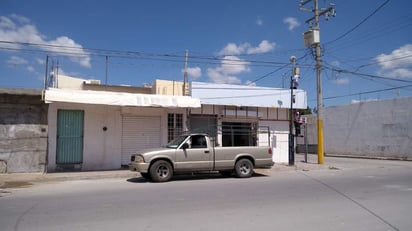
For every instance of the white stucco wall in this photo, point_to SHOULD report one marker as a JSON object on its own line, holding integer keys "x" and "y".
{"x": 279, "y": 131}
{"x": 377, "y": 128}
{"x": 102, "y": 149}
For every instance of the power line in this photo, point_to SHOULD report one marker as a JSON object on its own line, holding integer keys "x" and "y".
{"x": 371, "y": 34}
{"x": 359, "y": 24}
{"x": 80, "y": 51}
{"x": 368, "y": 75}
{"x": 270, "y": 73}
{"x": 283, "y": 92}
{"x": 367, "y": 92}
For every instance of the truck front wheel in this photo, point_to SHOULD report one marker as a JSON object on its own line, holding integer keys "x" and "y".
{"x": 244, "y": 168}
{"x": 161, "y": 171}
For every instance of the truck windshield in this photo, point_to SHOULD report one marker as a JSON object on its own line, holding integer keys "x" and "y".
{"x": 176, "y": 142}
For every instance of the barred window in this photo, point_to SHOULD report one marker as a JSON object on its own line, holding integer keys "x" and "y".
{"x": 174, "y": 126}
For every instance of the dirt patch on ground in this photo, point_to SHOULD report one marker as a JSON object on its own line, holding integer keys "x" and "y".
{"x": 15, "y": 184}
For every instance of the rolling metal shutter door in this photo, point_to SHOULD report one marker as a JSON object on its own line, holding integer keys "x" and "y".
{"x": 139, "y": 133}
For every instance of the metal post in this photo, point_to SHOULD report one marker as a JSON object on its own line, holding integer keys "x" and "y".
{"x": 306, "y": 142}
{"x": 291, "y": 117}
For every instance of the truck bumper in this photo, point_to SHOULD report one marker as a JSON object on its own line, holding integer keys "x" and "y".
{"x": 264, "y": 163}
{"x": 139, "y": 167}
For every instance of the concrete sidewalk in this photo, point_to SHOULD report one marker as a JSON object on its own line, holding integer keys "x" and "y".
{"x": 14, "y": 180}
{"x": 26, "y": 179}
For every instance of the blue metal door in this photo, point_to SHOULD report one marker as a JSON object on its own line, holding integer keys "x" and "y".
{"x": 70, "y": 136}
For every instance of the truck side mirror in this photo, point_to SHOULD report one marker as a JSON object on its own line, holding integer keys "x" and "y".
{"x": 185, "y": 146}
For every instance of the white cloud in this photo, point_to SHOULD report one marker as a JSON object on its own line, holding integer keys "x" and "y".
{"x": 6, "y": 23}
{"x": 40, "y": 61}
{"x": 291, "y": 22}
{"x": 245, "y": 48}
{"x": 61, "y": 44}
{"x": 342, "y": 81}
{"x": 264, "y": 47}
{"x": 233, "y": 65}
{"x": 20, "y": 19}
{"x": 30, "y": 69}
{"x": 229, "y": 67}
{"x": 250, "y": 83}
{"x": 397, "y": 73}
{"x": 17, "y": 29}
{"x": 396, "y": 64}
{"x": 22, "y": 64}
{"x": 15, "y": 60}
{"x": 233, "y": 49}
{"x": 219, "y": 77}
{"x": 193, "y": 72}
{"x": 259, "y": 21}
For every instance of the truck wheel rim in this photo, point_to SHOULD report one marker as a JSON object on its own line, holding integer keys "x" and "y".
{"x": 244, "y": 168}
{"x": 162, "y": 171}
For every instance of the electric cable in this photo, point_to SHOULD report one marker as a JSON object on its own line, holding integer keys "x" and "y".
{"x": 359, "y": 24}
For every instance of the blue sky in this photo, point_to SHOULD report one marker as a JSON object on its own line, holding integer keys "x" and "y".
{"x": 238, "y": 42}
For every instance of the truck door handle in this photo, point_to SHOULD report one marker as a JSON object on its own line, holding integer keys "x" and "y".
{"x": 207, "y": 152}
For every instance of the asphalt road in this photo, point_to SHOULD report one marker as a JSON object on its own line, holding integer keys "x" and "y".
{"x": 350, "y": 194}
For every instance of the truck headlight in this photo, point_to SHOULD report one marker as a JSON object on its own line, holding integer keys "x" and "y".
{"x": 137, "y": 158}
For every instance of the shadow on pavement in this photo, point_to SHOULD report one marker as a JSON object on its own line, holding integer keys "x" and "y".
{"x": 194, "y": 176}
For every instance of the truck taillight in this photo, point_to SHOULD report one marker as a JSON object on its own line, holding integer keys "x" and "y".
{"x": 270, "y": 151}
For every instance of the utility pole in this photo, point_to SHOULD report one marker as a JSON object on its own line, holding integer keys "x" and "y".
{"x": 107, "y": 71}
{"x": 45, "y": 78}
{"x": 312, "y": 39}
{"x": 185, "y": 74}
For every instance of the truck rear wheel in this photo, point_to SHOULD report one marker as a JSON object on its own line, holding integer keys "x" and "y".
{"x": 161, "y": 171}
{"x": 244, "y": 168}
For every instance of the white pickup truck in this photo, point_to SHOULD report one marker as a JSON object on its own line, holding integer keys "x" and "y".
{"x": 197, "y": 153}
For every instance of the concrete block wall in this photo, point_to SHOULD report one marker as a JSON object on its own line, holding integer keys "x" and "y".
{"x": 375, "y": 129}
{"x": 23, "y": 131}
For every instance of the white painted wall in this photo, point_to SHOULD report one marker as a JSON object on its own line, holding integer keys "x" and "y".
{"x": 377, "y": 128}
{"x": 279, "y": 142}
{"x": 102, "y": 149}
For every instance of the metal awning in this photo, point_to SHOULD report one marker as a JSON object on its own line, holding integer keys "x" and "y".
{"x": 119, "y": 98}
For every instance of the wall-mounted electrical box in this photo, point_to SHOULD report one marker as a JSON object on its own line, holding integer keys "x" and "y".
{"x": 311, "y": 37}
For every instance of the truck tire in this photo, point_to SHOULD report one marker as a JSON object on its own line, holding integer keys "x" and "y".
{"x": 161, "y": 171}
{"x": 244, "y": 168}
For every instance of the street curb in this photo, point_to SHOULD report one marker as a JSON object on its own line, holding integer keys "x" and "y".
{"x": 13, "y": 179}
